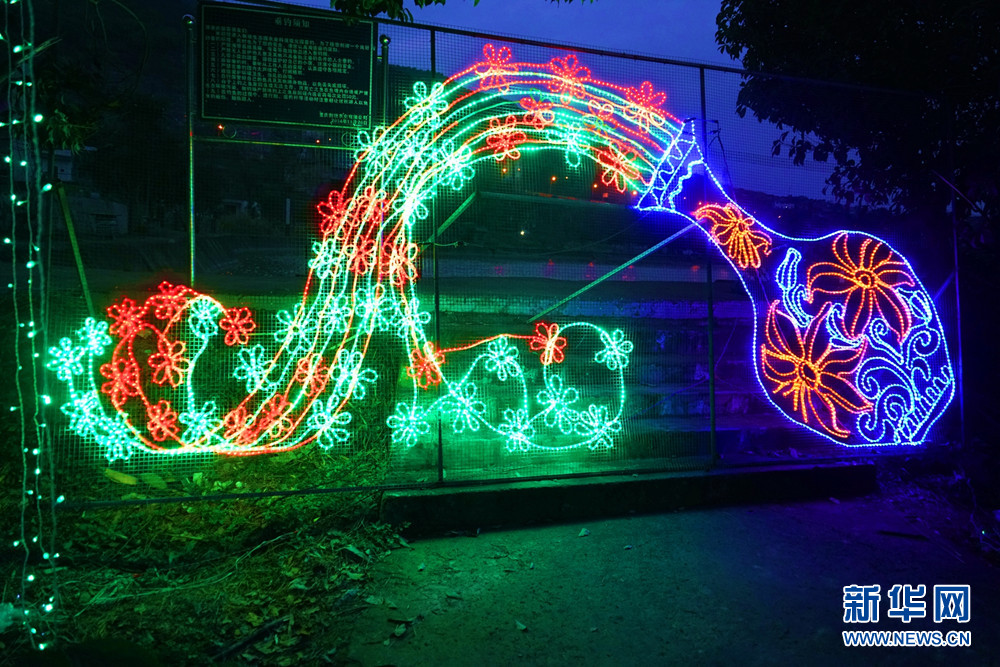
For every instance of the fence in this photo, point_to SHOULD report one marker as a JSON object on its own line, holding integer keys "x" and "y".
{"x": 547, "y": 277}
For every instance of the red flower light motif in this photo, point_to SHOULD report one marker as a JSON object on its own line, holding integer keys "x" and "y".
{"x": 644, "y": 105}
{"x": 360, "y": 255}
{"x": 235, "y": 422}
{"x": 539, "y": 114}
{"x": 312, "y": 374}
{"x": 276, "y": 417}
{"x": 865, "y": 280}
{"x": 168, "y": 362}
{"x": 504, "y": 137}
{"x": 123, "y": 380}
{"x": 238, "y": 325}
{"x": 571, "y": 76}
{"x": 170, "y": 301}
{"x": 162, "y": 422}
{"x": 619, "y": 169}
{"x": 549, "y": 342}
{"x": 332, "y": 213}
{"x": 811, "y": 377}
{"x": 495, "y": 67}
{"x": 735, "y": 232}
{"x": 364, "y": 210}
{"x": 127, "y": 318}
{"x": 425, "y": 366}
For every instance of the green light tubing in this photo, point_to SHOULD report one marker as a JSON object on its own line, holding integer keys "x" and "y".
{"x": 847, "y": 342}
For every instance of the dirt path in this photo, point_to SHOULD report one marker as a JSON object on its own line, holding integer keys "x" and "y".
{"x": 759, "y": 585}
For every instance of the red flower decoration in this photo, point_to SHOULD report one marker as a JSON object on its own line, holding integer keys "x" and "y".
{"x": 275, "y": 417}
{"x": 736, "y": 233}
{"x": 549, "y": 342}
{"x": 570, "y": 76}
{"x": 425, "y": 366}
{"x": 123, "y": 380}
{"x": 162, "y": 422}
{"x": 312, "y": 374}
{"x": 170, "y": 301}
{"x": 332, "y": 213}
{"x": 236, "y": 425}
{"x": 865, "y": 280}
{"x": 168, "y": 362}
{"x": 619, "y": 167}
{"x": 644, "y": 105}
{"x": 360, "y": 255}
{"x": 539, "y": 114}
{"x": 495, "y": 67}
{"x": 812, "y": 378}
{"x": 238, "y": 325}
{"x": 234, "y": 422}
{"x": 127, "y": 318}
{"x": 504, "y": 138}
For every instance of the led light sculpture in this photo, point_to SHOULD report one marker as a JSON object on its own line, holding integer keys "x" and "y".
{"x": 848, "y": 342}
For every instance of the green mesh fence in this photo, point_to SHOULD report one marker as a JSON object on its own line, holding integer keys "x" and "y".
{"x": 465, "y": 291}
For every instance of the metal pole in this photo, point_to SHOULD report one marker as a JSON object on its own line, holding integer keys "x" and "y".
{"x": 75, "y": 245}
{"x": 189, "y": 56}
{"x": 384, "y": 56}
{"x": 437, "y": 284}
{"x": 958, "y": 294}
{"x": 712, "y": 446}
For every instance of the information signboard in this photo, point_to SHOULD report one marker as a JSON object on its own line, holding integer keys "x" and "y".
{"x": 278, "y": 66}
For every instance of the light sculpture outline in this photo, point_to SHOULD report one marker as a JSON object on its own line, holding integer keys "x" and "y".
{"x": 852, "y": 347}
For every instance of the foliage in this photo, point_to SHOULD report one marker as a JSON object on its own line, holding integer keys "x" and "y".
{"x": 891, "y": 148}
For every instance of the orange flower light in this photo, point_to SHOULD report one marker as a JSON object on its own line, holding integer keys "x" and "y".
{"x": 811, "y": 377}
{"x": 548, "y": 341}
{"x": 238, "y": 324}
{"x": 735, "y": 232}
{"x": 425, "y": 365}
{"x": 866, "y": 282}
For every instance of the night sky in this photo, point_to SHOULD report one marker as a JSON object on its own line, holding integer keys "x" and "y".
{"x": 680, "y": 29}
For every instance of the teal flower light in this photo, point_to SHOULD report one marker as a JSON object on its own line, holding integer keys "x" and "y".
{"x": 66, "y": 359}
{"x": 617, "y": 349}
{"x": 329, "y": 423}
{"x": 518, "y": 428}
{"x": 201, "y": 424}
{"x": 95, "y": 336}
{"x": 557, "y": 400}
{"x": 408, "y": 424}
{"x": 252, "y": 367}
{"x": 502, "y": 359}
{"x": 462, "y": 404}
{"x": 597, "y": 426}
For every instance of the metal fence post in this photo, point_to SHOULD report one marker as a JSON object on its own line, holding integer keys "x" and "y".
{"x": 189, "y": 112}
{"x": 712, "y": 446}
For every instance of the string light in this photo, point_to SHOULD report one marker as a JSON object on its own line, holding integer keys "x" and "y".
{"x": 38, "y": 595}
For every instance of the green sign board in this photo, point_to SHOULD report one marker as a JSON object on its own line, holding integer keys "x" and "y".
{"x": 278, "y": 66}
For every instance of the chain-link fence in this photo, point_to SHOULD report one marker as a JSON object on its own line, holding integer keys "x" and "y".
{"x": 542, "y": 279}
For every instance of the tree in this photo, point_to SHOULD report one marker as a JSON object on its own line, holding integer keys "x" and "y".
{"x": 915, "y": 117}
